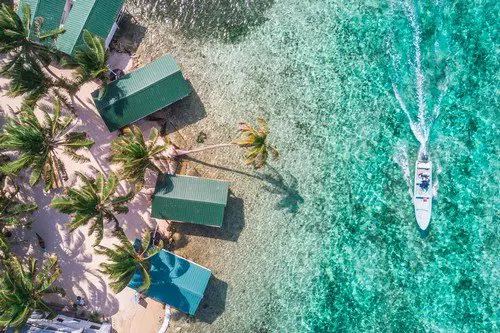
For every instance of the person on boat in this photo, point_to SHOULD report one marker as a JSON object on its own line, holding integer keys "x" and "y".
{"x": 424, "y": 185}
{"x": 423, "y": 175}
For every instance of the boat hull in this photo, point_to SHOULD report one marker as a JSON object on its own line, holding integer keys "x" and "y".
{"x": 422, "y": 195}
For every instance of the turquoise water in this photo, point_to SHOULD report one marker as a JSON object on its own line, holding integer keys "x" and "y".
{"x": 352, "y": 91}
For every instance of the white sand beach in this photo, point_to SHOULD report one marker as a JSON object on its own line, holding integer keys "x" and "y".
{"x": 78, "y": 261}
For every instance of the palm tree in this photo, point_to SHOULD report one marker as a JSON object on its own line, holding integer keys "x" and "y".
{"x": 9, "y": 3}
{"x": 91, "y": 60}
{"x": 16, "y": 38}
{"x": 255, "y": 140}
{"x": 95, "y": 202}
{"x": 29, "y": 79}
{"x": 136, "y": 155}
{"x": 22, "y": 289}
{"x": 40, "y": 144}
{"x": 12, "y": 211}
{"x": 125, "y": 260}
{"x": 27, "y": 52}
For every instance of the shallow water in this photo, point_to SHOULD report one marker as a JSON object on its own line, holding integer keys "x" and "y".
{"x": 352, "y": 90}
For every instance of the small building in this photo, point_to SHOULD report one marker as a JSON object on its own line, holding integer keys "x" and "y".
{"x": 175, "y": 281}
{"x": 99, "y": 17}
{"x": 190, "y": 199}
{"x": 62, "y": 323}
{"x": 141, "y": 93}
{"x": 50, "y": 10}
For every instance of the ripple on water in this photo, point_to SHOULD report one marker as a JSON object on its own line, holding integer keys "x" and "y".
{"x": 330, "y": 243}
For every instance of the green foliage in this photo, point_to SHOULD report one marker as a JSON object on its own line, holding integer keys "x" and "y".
{"x": 125, "y": 260}
{"x": 28, "y": 78}
{"x": 39, "y": 145}
{"x": 135, "y": 155}
{"x": 95, "y": 317}
{"x": 22, "y": 289}
{"x": 256, "y": 140}
{"x": 91, "y": 59}
{"x": 12, "y": 211}
{"x": 94, "y": 202}
{"x": 26, "y": 52}
{"x": 16, "y": 38}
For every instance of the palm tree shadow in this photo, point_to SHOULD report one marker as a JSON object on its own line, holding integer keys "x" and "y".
{"x": 287, "y": 188}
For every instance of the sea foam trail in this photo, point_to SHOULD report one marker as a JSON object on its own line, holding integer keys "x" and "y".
{"x": 421, "y": 126}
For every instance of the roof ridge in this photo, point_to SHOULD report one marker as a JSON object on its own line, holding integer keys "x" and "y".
{"x": 192, "y": 263}
{"x": 145, "y": 87}
{"x": 84, "y": 23}
{"x": 205, "y": 201}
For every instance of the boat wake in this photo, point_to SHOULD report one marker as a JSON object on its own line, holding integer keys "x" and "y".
{"x": 422, "y": 114}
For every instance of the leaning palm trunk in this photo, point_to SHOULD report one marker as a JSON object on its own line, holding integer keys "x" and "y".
{"x": 180, "y": 152}
{"x": 254, "y": 140}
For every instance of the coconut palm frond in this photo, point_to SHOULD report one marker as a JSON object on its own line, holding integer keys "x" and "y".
{"x": 256, "y": 141}
{"x": 91, "y": 59}
{"x": 20, "y": 38}
{"x": 135, "y": 155}
{"x": 94, "y": 203}
{"x": 124, "y": 260}
{"x": 51, "y": 34}
{"x": 22, "y": 289}
{"x": 4, "y": 247}
{"x": 12, "y": 30}
{"x": 39, "y": 144}
{"x": 28, "y": 79}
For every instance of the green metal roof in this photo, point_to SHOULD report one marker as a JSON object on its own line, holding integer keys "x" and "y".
{"x": 141, "y": 93}
{"x": 96, "y": 16}
{"x": 174, "y": 280}
{"x": 50, "y": 10}
{"x": 190, "y": 199}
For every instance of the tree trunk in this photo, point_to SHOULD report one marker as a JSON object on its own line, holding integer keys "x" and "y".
{"x": 180, "y": 152}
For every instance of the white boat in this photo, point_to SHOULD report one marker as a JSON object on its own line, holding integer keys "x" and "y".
{"x": 422, "y": 194}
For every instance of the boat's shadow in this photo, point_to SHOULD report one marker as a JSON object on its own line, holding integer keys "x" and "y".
{"x": 424, "y": 233}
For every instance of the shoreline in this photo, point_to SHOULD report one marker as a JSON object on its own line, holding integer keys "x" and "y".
{"x": 77, "y": 260}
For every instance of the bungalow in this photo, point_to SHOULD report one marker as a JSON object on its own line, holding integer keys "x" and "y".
{"x": 174, "y": 281}
{"x": 100, "y": 17}
{"x": 37, "y": 323}
{"x": 141, "y": 93}
{"x": 50, "y": 10}
{"x": 190, "y": 199}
